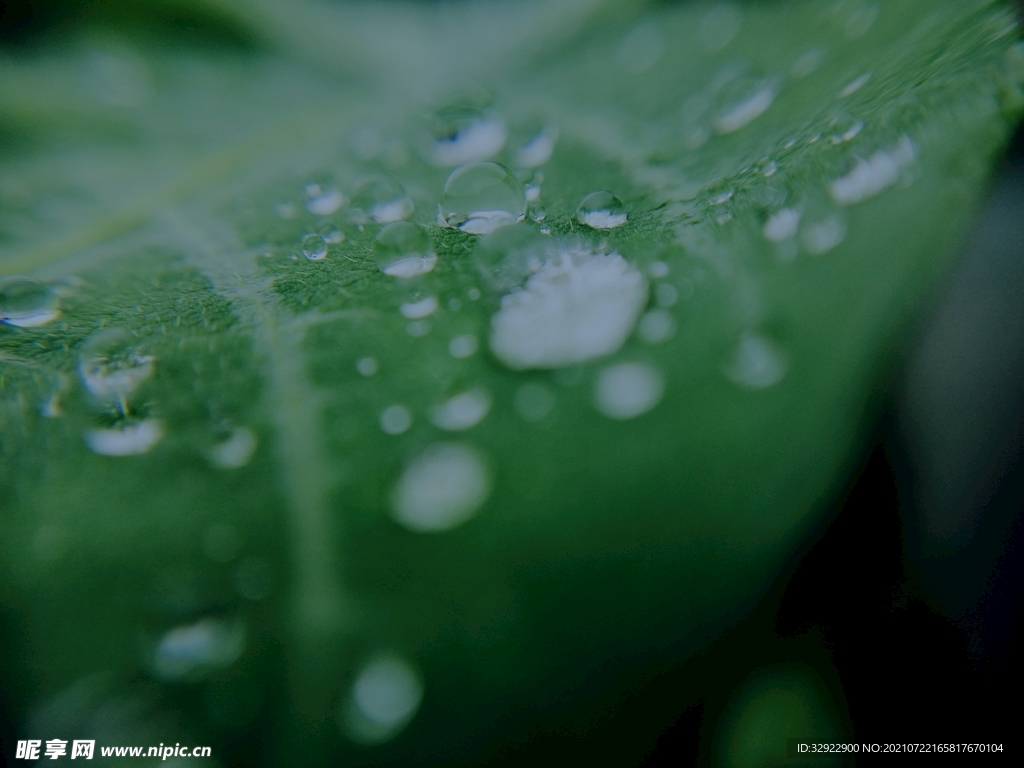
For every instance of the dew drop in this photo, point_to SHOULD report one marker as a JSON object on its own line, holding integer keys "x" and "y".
{"x": 854, "y": 85}
{"x": 756, "y": 363}
{"x": 869, "y": 177}
{"x": 463, "y": 133}
{"x": 601, "y": 210}
{"x": 27, "y": 303}
{"x": 666, "y": 295}
{"x": 381, "y": 199}
{"x": 533, "y": 402}
{"x": 481, "y": 197}
{"x": 332, "y": 235}
{"x": 822, "y": 236}
{"x": 236, "y": 450}
{"x": 770, "y": 169}
{"x": 744, "y": 106}
{"x": 658, "y": 269}
{"x": 418, "y": 328}
{"x": 719, "y": 25}
{"x": 314, "y": 247}
{"x": 286, "y": 210}
{"x": 385, "y": 696}
{"x": 419, "y": 309}
{"x": 538, "y": 149}
{"x": 463, "y": 411}
{"x": 194, "y": 650}
{"x": 367, "y": 366}
{"x": 130, "y": 440}
{"x": 782, "y": 225}
{"x": 112, "y": 364}
{"x": 845, "y": 129}
{"x": 627, "y": 390}
{"x": 402, "y": 249}
{"x": 323, "y": 202}
{"x": 473, "y": 294}
{"x": 807, "y": 63}
{"x": 463, "y": 346}
{"x": 396, "y": 420}
{"x": 656, "y": 327}
{"x": 641, "y": 48}
{"x": 442, "y": 488}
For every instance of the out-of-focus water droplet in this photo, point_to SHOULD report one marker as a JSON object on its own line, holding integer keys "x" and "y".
{"x": 286, "y": 210}
{"x": 719, "y": 25}
{"x": 844, "y": 129}
{"x": 641, "y": 48}
{"x": 194, "y": 650}
{"x": 576, "y": 306}
{"x": 381, "y": 199}
{"x": 533, "y": 402}
{"x": 396, "y": 419}
{"x": 463, "y": 411}
{"x": 854, "y": 85}
{"x": 481, "y": 197}
{"x": 721, "y": 198}
{"x": 533, "y": 195}
{"x": 27, "y": 303}
{"x": 743, "y": 102}
{"x": 367, "y": 366}
{"x": 658, "y": 270}
{"x": 418, "y": 328}
{"x": 222, "y": 543}
{"x": 464, "y": 132}
{"x": 385, "y": 696}
{"x": 129, "y": 440}
{"x": 236, "y": 450}
{"x": 454, "y": 305}
{"x": 666, "y": 295}
{"x": 869, "y": 177}
{"x": 402, "y": 249}
{"x": 656, "y": 326}
{"x": 314, "y": 247}
{"x": 332, "y": 235}
{"x": 366, "y": 142}
{"x": 807, "y": 62}
{"x": 756, "y": 363}
{"x": 782, "y": 225}
{"x": 442, "y": 488}
{"x": 473, "y": 294}
{"x": 860, "y": 17}
{"x": 601, "y": 210}
{"x": 112, "y": 364}
{"x": 419, "y": 308}
{"x": 538, "y": 148}
{"x": 627, "y": 390}
{"x": 323, "y": 201}
{"x": 770, "y": 169}
{"x": 463, "y": 346}
{"x": 822, "y": 236}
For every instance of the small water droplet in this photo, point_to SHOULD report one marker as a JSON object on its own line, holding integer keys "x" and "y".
{"x": 381, "y": 199}
{"x": 194, "y": 650}
{"x": 463, "y": 411}
{"x": 627, "y": 390}
{"x": 481, "y": 197}
{"x": 656, "y": 326}
{"x": 721, "y": 198}
{"x": 287, "y": 210}
{"x": 532, "y": 195}
{"x": 666, "y": 295}
{"x": 129, "y": 440}
{"x": 782, "y": 225}
{"x": 236, "y": 450}
{"x": 822, "y": 236}
{"x": 442, "y": 488}
{"x": 463, "y": 346}
{"x": 719, "y": 25}
{"x": 854, "y": 85}
{"x": 112, "y": 364}
{"x": 757, "y": 363}
{"x": 396, "y": 419}
{"x": 658, "y": 269}
{"x": 314, "y": 247}
{"x": 27, "y": 303}
{"x": 367, "y": 366}
{"x": 332, "y": 235}
{"x": 420, "y": 308}
{"x": 464, "y": 132}
{"x": 869, "y": 177}
{"x": 641, "y": 48}
{"x": 770, "y": 169}
{"x": 454, "y": 305}
{"x": 533, "y": 402}
{"x": 366, "y": 142}
{"x": 418, "y": 328}
{"x": 385, "y": 696}
{"x": 321, "y": 201}
{"x": 402, "y": 249}
{"x": 845, "y": 128}
{"x": 807, "y": 63}
{"x": 473, "y": 294}
{"x": 601, "y": 210}
{"x": 538, "y": 149}
{"x": 744, "y": 102}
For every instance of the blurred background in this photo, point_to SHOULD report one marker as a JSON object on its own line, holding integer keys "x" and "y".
{"x": 907, "y": 603}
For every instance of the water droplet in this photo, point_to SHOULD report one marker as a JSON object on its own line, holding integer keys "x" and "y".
{"x": 367, "y": 366}
{"x": 719, "y": 25}
{"x": 129, "y": 440}
{"x": 601, "y": 210}
{"x": 627, "y": 390}
{"x": 473, "y": 294}
{"x": 577, "y": 306}
{"x": 481, "y": 197}
{"x": 854, "y": 85}
{"x": 323, "y": 202}
{"x": 381, "y": 199}
{"x": 756, "y": 363}
{"x": 417, "y": 310}
{"x": 538, "y": 149}
{"x": 658, "y": 269}
{"x": 462, "y": 411}
{"x": 844, "y": 129}
{"x": 366, "y": 142}
{"x": 656, "y": 326}
{"x": 533, "y": 401}
{"x": 533, "y": 195}
{"x": 822, "y": 236}
{"x": 454, "y": 305}
{"x": 869, "y": 177}
{"x": 314, "y": 248}
{"x": 27, "y": 303}
{"x": 332, "y": 235}
{"x": 744, "y": 102}
{"x": 666, "y": 295}
{"x": 770, "y": 169}
{"x": 286, "y": 210}
{"x": 442, "y": 488}
{"x": 112, "y": 364}
{"x": 642, "y": 47}
{"x": 385, "y": 696}
{"x": 402, "y": 249}
{"x": 222, "y": 543}
{"x": 782, "y": 225}
{"x": 463, "y": 346}
{"x": 193, "y": 650}
{"x": 464, "y": 132}
{"x": 236, "y": 450}
{"x": 396, "y": 420}
{"x": 807, "y": 63}
{"x": 418, "y": 328}
{"x": 860, "y": 19}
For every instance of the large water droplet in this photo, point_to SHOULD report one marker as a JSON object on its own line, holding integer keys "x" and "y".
{"x": 442, "y": 488}
{"x": 627, "y": 390}
{"x": 385, "y": 696}
{"x": 129, "y": 440}
{"x": 236, "y": 450}
{"x": 113, "y": 364}
{"x": 578, "y": 305}
{"x": 601, "y": 210}
{"x": 756, "y": 363}
{"x": 27, "y": 303}
{"x": 464, "y": 132}
{"x": 463, "y": 411}
{"x": 402, "y": 249}
{"x": 381, "y": 199}
{"x": 193, "y": 650}
{"x": 481, "y": 197}
{"x": 314, "y": 247}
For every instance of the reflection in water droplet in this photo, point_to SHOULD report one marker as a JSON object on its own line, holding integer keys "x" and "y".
{"x": 782, "y": 225}
{"x": 601, "y": 210}
{"x": 130, "y": 440}
{"x": 656, "y": 326}
{"x": 855, "y": 85}
{"x": 869, "y": 177}
{"x": 463, "y": 411}
{"x": 537, "y": 150}
{"x": 385, "y": 696}
{"x": 236, "y": 451}
{"x": 402, "y": 249}
{"x": 740, "y": 111}
{"x": 821, "y": 237}
{"x": 533, "y": 401}
{"x": 417, "y": 310}
{"x": 314, "y": 248}
{"x": 481, "y": 197}
{"x": 367, "y": 366}
{"x": 323, "y": 202}
{"x": 442, "y": 488}
{"x": 463, "y": 346}
{"x": 112, "y": 364}
{"x": 27, "y": 303}
{"x": 396, "y": 420}
{"x": 578, "y": 305}
{"x": 756, "y": 363}
{"x": 464, "y": 133}
{"x": 197, "y": 649}
{"x": 381, "y": 199}
{"x": 627, "y": 390}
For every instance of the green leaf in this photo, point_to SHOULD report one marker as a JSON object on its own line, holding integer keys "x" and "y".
{"x": 218, "y": 528}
